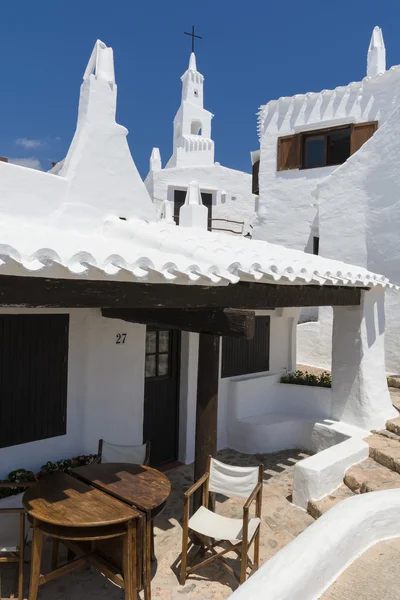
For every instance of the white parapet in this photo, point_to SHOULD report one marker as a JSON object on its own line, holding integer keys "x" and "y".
{"x": 360, "y": 394}
{"x": 307, "y": 566}
{"x": 321, "y": 474}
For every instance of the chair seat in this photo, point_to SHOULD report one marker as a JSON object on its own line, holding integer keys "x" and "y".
{"x": 210, "y": 524}
{"x": 8, "y": 549}
{"x": 9, "y": 524}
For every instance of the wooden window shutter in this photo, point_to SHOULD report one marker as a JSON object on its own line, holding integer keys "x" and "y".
{"x": 34, "y": 374}
{"x": 361, "y": 133}
{"x": 289, "y": 152}
{"x": 240, "y": 357}
{"x": 255, "y": 188}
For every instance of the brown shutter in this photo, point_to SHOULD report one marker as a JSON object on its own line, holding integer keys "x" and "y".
{"x": 240, "y": 357}
{"x": 361, "y": 133}
{"x": 289, "y": 152}
{"x": 34, "y": 373}
{"x": 254, "y": 185}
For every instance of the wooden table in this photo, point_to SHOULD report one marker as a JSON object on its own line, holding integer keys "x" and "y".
{"x": 66, "y": 508}
{"x": 137, "y": 485}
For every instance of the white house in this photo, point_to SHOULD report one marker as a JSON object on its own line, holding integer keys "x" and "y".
{"x": 111, "y": 318}
{"x": 322, "y": 190}
{"x": 227, "y": 193}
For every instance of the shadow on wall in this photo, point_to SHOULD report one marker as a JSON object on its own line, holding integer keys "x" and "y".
{"x": 375, "y": 320}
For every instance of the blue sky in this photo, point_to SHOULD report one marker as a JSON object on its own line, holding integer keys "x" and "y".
{"x": 251, "y": 52}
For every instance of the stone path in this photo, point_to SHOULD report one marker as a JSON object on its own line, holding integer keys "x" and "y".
{"x": 281, "y": 523}
{"x": 373, "y": 576}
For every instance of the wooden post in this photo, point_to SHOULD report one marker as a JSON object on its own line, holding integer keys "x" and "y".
{"x": 207, "y": 406}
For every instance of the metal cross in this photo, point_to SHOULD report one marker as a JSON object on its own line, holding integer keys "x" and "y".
{"x": 192, "y": 35}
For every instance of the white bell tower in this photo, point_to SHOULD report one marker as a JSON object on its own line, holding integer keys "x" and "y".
{"x": 192, "y": 144}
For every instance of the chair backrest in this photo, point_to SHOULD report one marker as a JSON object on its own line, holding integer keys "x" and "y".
{"x": 234, "y": 482}
{"x": 138, "y": 455}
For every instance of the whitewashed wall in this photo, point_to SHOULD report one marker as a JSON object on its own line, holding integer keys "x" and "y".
{"x": 231, "y": 191}
{"x": 105, "y": 390}
{"x": 114, "y": 382}
{"x": 368, "y": 233}
{"x": 286, "y": 208}
{"x": 314, "y": 340}
{"x": 358, "y": 217}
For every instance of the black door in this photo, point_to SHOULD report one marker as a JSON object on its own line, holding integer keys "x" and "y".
{"x": 161, "y": 394}
{"x": 179, "y": 200}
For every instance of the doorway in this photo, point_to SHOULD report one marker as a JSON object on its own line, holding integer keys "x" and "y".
{"x": 179, "y": 200}
{"x": 161, "y": 394}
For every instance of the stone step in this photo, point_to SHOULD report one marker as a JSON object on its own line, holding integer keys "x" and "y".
{"x": 384, "y": 451}
{"x": 370, "y": 476}
{"x": 393, "y": 382}
{"x": 316, "y": 508}
{"x": 387, "y": 434}
{"x": 394, "y": 426}
{"x": 395, "y": 396}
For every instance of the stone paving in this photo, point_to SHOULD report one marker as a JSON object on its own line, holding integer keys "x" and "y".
{"x": 373, "y": 576}
{"x": 281, "y": 523}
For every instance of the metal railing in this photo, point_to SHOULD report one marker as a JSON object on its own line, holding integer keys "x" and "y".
{"x": 212, "y": 228}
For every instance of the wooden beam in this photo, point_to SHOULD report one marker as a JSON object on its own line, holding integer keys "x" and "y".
{"x": 218, "y": 321}
{"x": 82, "y": 293}
{"x": 207, "y": 405}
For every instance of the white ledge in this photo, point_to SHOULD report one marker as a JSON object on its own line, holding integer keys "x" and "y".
{"x": 324, "y": 124}
{"x": 307, "y": 566}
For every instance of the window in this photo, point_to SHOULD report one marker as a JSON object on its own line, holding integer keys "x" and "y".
{"x": 315, "y": 244}
{"x": 157, "y": 353}
{"x": 255, "y": 173}
{"x": 33, "y": 382}
{"x": 326, "y": 149}
{"x": 323, "y": 147}
{"x": 179, "y": 200}
{"x": 195, "y": 128}
{"x": 240, "y": 356}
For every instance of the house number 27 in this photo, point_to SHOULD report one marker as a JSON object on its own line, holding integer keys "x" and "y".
{"x": 121, "y": 337}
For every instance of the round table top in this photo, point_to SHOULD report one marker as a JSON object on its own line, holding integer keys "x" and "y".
{"x": 63, "y": 500}
{"x": 143, "y": 487}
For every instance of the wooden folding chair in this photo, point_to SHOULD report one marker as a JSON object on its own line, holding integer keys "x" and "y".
{"x": 214, "y": 530}
{"x": 12, "y": 533}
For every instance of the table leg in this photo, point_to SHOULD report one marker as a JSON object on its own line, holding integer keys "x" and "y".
{"x": 141, "y": 531}
{"x": 129, "y": 562}
{"x": 153, "y": 551}
{"x": 37, "y": 546}
{"x": 54, "y": 554}
{"x": 147, "y": 558}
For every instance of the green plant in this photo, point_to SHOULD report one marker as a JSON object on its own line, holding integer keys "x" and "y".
{"x": 305, "y": 378}
{"x": 22, "y": 475}
{"x": 65, "y": 464}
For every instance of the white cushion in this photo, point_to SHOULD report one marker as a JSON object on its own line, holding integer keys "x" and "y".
{"x": 210, "y": 524}
{"x": 9, "y": 524}
{"x": 114, "y": 453}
